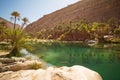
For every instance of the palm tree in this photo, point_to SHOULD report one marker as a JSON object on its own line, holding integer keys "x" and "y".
{"x": 99, "y": 30}
{"x": 113, "y": 23}
{"x": 15, "y": 16}
{"x": 17, "y": 41}
{"x": 16, "y": 35}
{"x": 25, "y": 20}
{"x": 117, "y": 32}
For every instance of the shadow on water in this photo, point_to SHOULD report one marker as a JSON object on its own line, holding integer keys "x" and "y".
{"x": 103, "y": 58}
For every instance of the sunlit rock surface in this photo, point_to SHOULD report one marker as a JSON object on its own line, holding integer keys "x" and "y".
{"x": 52, "y": 73}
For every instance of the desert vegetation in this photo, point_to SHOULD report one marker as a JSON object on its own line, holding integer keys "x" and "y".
{"x": 14, "y": 36}
{"x": 82, "y": 30}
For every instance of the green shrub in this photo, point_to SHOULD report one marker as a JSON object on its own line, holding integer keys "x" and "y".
{"x": 36, "y": 65}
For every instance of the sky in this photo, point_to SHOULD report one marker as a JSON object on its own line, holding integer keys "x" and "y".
{"x": 32, "y": 9}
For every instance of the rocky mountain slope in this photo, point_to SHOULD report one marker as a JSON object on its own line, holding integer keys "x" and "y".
{"x": 7, "y": 23}
{"x": 92, "y": 10}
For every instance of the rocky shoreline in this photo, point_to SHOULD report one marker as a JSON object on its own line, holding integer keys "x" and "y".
{"x": 23, "y": 69}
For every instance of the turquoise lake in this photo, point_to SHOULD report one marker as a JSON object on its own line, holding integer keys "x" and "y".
{"x": 103, "y": 58}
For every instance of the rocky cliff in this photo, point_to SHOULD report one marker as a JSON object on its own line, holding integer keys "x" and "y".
{"x": 92, "y": 10}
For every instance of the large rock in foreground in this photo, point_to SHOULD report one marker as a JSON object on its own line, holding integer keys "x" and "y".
{"x": 52, "y": 73}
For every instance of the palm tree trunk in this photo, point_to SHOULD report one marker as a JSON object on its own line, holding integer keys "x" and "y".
{"x": 15, "y": 52}
{"x": 14, "y": 22}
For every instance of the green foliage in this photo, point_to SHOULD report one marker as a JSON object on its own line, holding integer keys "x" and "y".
{"x": 100, "y": 29}
{"x": 2, "y": 30}
{"x": 17, "y": 39}
{"x": 15, "y": 14}
{"x": 115, "y": 40}
{"x": 61, "y": 37}
{"x": 36, "y": 66}
{"x": 113, "y": 22}
{"x": 59, "y": 32}
{"x": 117, "y": 32}
{"x": 75, "y": 30}
{"x": 16, "y": 35}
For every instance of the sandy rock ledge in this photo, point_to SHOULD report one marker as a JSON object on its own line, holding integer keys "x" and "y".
{"x": 16, "y": 64}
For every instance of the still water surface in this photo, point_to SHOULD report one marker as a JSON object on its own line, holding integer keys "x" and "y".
{"x": 103, "y": 58}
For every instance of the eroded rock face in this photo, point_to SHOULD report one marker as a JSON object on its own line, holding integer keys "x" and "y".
{"x": 53, "y": 73}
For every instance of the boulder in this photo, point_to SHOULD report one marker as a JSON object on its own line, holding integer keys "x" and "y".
{"x": 53, "y": 73}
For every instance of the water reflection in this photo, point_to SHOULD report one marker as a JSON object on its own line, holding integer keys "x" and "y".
{"x": 71, "y": 54}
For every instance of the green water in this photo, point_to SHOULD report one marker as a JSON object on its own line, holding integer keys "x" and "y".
{"x": 103, "y": 58}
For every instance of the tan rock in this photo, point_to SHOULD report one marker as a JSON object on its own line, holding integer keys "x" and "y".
{"x": 53, "y": 73}
{"x": 12, "y": 60}
{"x": 0, "y": 64}
{"x": 2, "y": 53}
{"x": 21, "y": 66}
